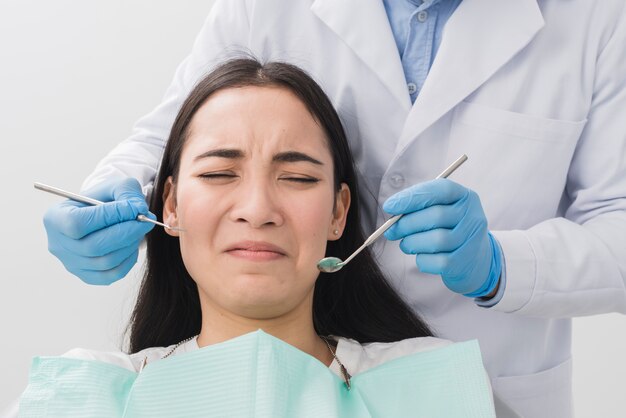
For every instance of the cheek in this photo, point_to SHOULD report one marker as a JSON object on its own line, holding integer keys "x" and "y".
{"x": 311, "y": 222}
{"x": 194, "y": 210}
{"x": 198, "y": 216}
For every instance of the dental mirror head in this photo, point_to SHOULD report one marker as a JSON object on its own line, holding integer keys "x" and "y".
{"x": 330, "y": 264}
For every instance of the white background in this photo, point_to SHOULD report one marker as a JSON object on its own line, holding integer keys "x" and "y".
{"x": 74, "y": 76}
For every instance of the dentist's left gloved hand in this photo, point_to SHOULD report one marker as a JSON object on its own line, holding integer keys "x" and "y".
{"x": 445, "y": 226}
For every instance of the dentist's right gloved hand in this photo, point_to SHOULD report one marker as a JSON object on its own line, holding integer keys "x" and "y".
{"x": 99, "y": 244}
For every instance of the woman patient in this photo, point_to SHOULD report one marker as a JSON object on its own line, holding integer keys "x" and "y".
{"x": 258, "y": 179}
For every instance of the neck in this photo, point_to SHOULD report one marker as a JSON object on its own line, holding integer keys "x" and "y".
{"x": 295, "y": 328}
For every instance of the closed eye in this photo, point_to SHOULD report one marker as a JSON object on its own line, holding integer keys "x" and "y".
{"x": 301, "y": 179}
{"x": 216, "y": 175}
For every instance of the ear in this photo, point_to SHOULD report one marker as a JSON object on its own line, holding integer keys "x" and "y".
{"x": 342, "y": 205}
{"x": 170, "y": 216}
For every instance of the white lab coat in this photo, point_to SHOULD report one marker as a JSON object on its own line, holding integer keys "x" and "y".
{"x": 534, "y": 92}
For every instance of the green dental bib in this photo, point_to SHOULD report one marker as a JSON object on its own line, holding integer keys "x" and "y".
{"x": 257, "y": 375}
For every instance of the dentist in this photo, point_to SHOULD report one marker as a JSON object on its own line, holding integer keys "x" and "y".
{"x": 529, "y": 233}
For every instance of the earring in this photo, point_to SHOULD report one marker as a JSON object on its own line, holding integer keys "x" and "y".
{"x": 336, "y": 232}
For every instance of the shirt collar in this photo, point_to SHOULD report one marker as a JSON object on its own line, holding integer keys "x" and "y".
{"x": 423, "y": 4}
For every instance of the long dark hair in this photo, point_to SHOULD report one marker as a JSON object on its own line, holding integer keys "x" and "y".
{"x": 357, "y": 302}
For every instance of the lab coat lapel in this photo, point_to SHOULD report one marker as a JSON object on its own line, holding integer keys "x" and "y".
{"x": 478, "y": 39}
{"x": 363, "y": 25}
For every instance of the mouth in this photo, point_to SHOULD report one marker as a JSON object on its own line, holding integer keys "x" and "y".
{"x": 256, "y": 251}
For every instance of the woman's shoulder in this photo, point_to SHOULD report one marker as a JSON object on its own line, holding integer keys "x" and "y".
{"x": 358, "y": 357}
{"x": 130, "y": 362}
{"x": 398, "y": 348}
{"x": 408, "y": 346}
{"x": 127, "y": 361}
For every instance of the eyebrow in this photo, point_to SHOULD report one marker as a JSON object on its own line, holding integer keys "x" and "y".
{"x": 222, "y": 153}
{"x": 294, "y": 157}
{"x": 283, "y": 157}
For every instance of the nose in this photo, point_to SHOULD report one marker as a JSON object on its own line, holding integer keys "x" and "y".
{"x": 257, "y": 204}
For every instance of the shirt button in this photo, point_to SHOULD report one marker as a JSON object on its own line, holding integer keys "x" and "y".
{"x": 422, "y": 16}
{"x": 412, "y": 88}
{"x": 396, "y": 181}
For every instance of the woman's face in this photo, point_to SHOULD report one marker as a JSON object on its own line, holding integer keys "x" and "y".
{"x": 255, "y": 197}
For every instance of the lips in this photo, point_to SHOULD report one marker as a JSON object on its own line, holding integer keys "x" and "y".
{"x": 255, "y": 247}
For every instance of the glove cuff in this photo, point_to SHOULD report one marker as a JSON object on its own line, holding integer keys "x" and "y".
{"x": 494, "y": 271}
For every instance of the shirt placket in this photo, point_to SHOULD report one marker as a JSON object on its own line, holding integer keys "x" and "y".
{"x": 418, "y": 51}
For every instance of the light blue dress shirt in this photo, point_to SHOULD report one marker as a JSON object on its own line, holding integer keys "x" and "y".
{"x": 417, "y": 27}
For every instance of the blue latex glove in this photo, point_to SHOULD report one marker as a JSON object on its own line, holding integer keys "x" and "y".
{"x": 445, "y": 226}
{"x": 99, "y": 244}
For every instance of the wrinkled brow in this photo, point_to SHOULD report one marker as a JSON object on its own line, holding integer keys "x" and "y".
{"x": 282, "y": 157}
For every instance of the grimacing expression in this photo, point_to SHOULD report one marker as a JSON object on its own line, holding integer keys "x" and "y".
{"x": 255, "y": 197}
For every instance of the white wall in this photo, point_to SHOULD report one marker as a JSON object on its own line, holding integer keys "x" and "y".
{"x": 74, "y": 76}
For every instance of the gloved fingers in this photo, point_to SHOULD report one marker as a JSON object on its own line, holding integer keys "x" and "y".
{"x": 100, "y": 263}
{"x": 107, "y": 277}
{"x": 95, "y": 218}
{"x": 103, "y": 241}
{"x": 75, "y": 220}
{"x": 438, "y": 240}
{"x": 433, "y": 217}
{"x": 423, "y": 195}
{"x": 123, "y": 199}
{"x": 117, "y": 189}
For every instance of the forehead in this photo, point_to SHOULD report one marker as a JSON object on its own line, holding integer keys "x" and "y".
{"x": 258, "y": 120}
